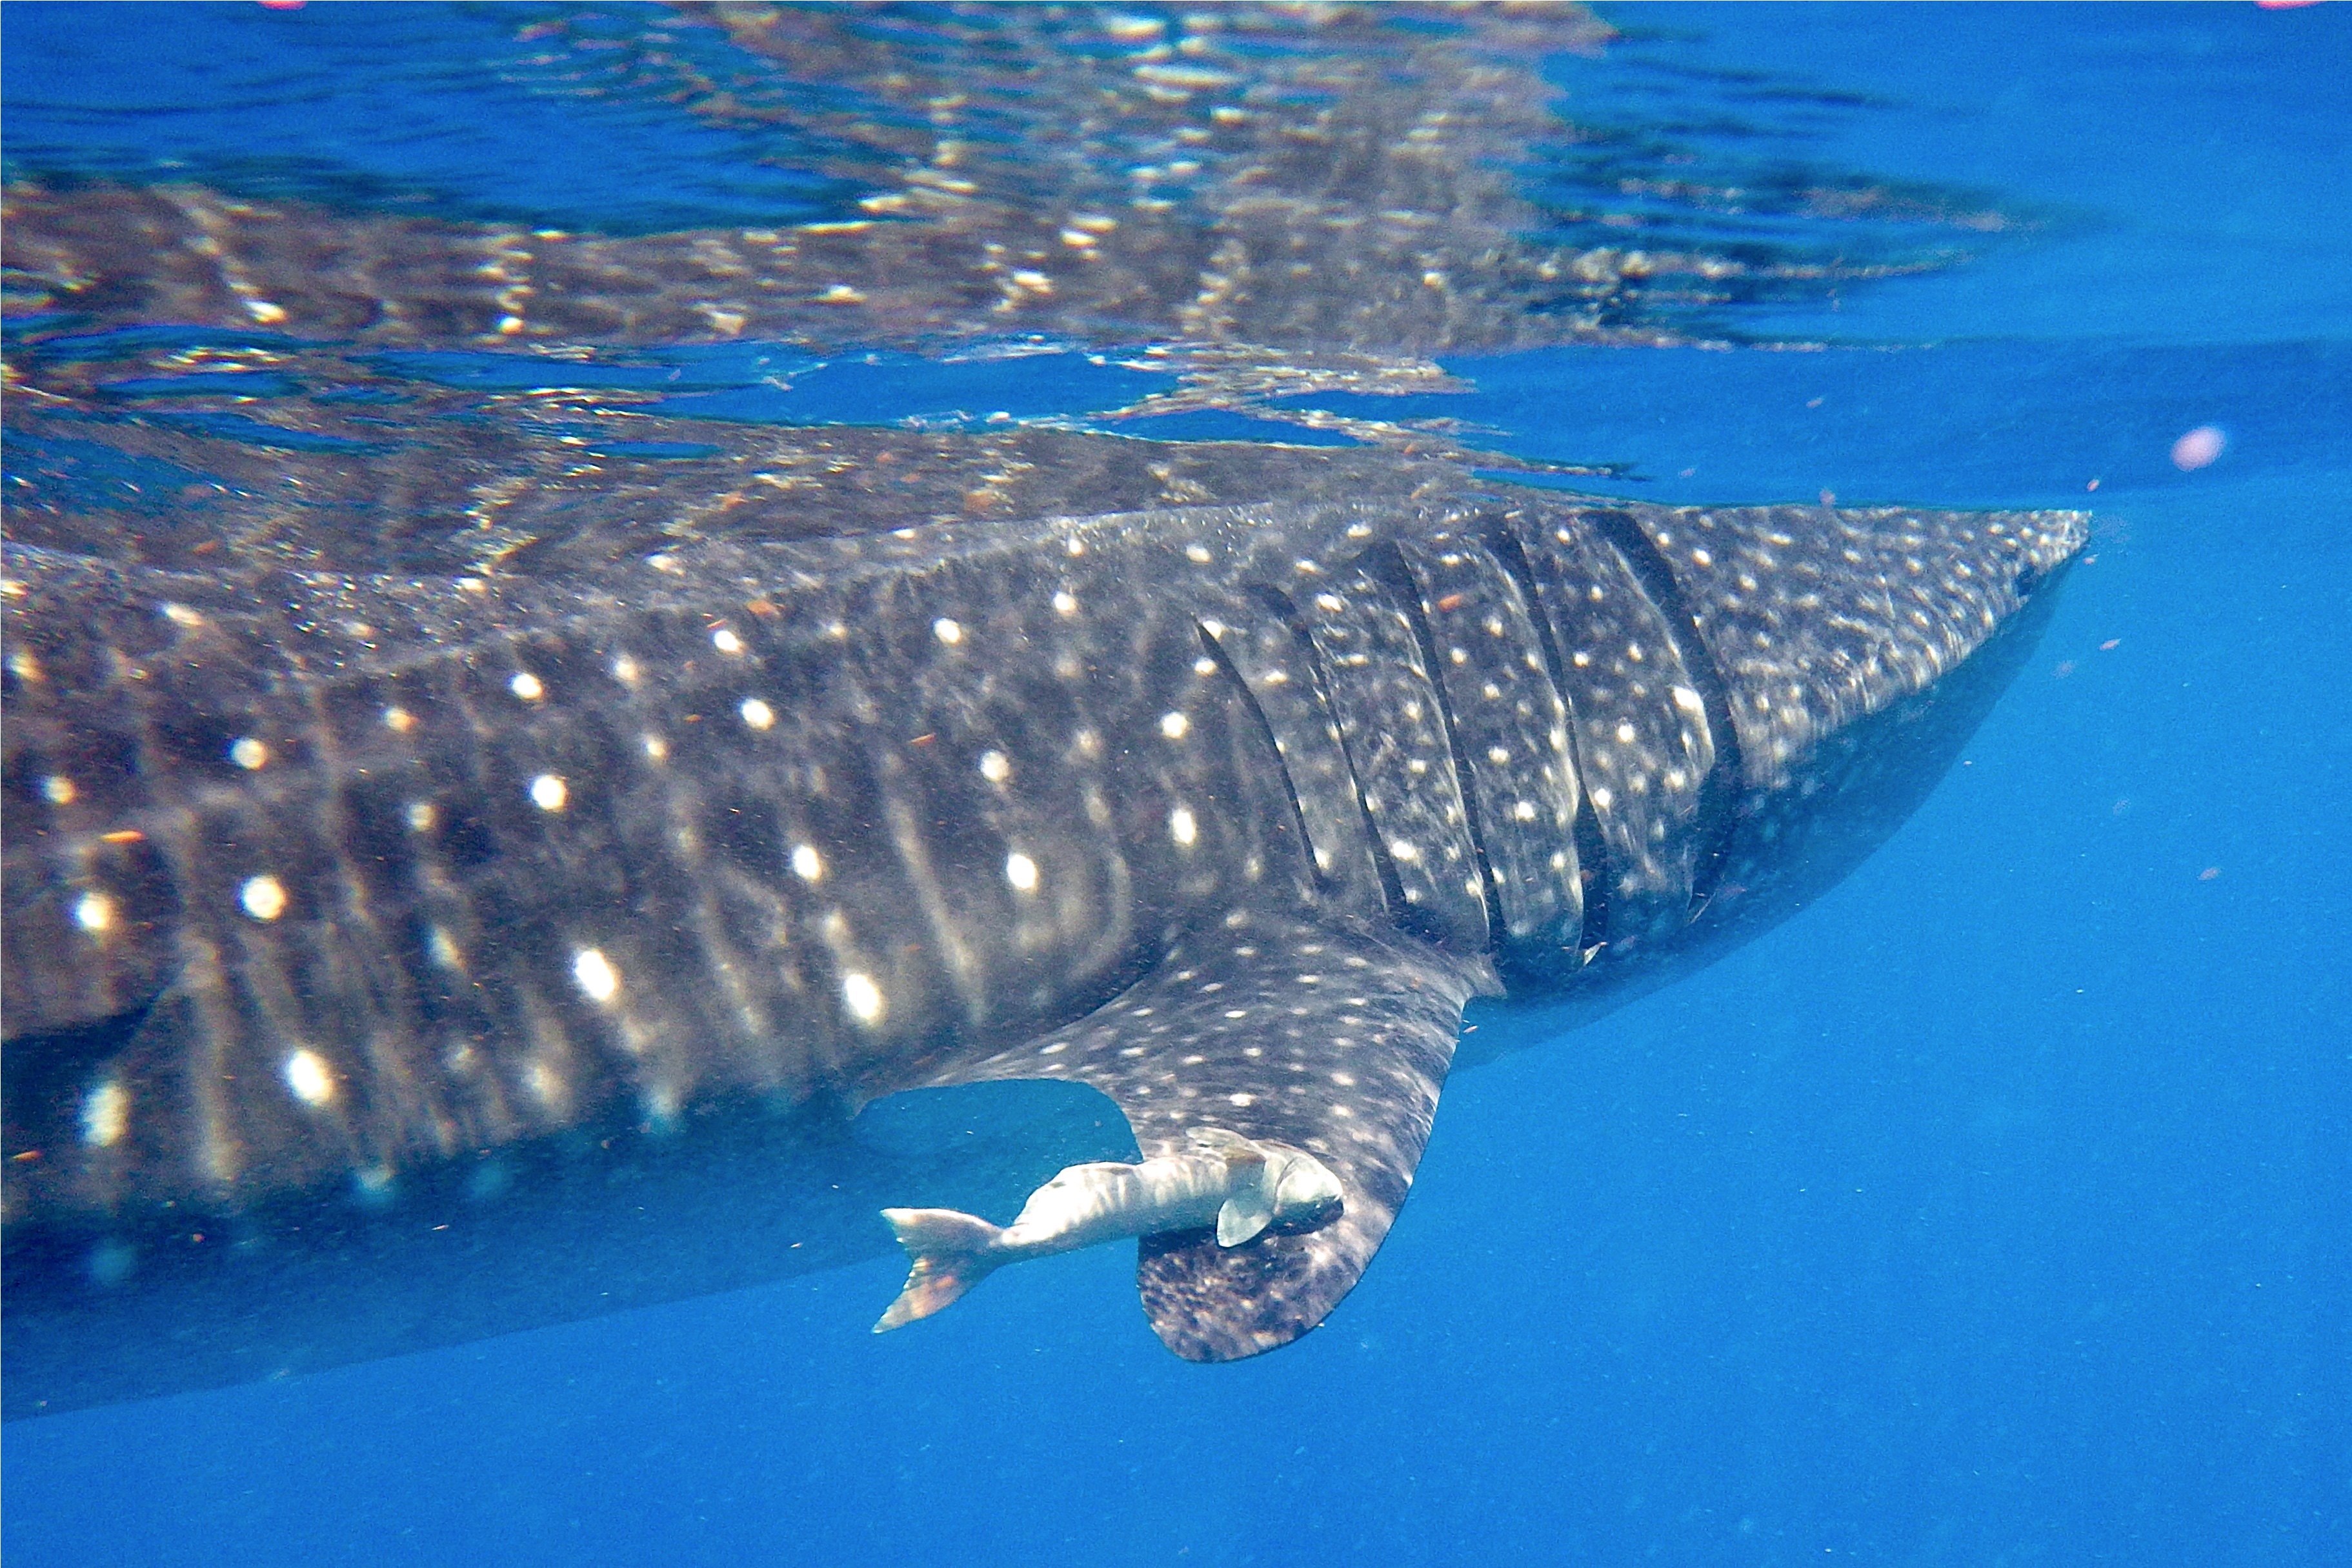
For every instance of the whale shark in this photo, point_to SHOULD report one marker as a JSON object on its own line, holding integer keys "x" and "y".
{"x": 486, "y": 874}
{"x": 1226, "y": 811}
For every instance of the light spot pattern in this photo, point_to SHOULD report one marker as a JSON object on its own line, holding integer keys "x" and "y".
{"x": 624, "y": 895}
{"x": 1819, "y": 618}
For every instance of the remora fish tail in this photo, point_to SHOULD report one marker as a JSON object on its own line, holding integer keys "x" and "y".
{"x": 950, "y": 1253}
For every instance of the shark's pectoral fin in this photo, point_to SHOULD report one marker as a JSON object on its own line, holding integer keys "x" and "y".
{"x": 1288, "y": 1032}
{"x": 1340, "y": 1052}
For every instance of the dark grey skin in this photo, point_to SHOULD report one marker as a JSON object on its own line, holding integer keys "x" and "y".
{"x": 1222, "y": 810}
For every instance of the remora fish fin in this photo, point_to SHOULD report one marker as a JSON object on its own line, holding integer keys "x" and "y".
{"x": 947, "y": 1252}
{"x": 1244, "y": 1215}
{"x": 1250, "y": 1209}
{"x": 1332, "y": 1041}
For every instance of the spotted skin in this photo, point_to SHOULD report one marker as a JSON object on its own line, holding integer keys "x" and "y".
{"x": 405, "y": 868}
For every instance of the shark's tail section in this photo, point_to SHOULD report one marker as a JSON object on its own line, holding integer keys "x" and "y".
{"x": 951, "y": 1253}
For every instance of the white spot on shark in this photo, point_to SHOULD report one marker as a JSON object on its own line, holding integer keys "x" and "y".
{"x": 307, "y": 1075}
{"x": 866, "y": 1003}
{"x": 594, "y": 974}
{"x": 264, "y": 898}
{"x": 105, "y": 1115}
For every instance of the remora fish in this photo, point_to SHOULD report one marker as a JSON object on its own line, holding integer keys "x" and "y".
{"x": 1225, "y": 1182}
{"x": 1224, "y": 811}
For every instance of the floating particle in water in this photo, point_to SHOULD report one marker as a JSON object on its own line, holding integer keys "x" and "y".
{"x": 2198, "y": 448}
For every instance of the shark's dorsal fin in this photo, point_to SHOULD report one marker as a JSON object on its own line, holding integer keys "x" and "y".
{"x": 1328, "y": 1040}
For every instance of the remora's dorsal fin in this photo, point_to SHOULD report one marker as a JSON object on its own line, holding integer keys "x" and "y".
{"x": 1281, "y": 1031}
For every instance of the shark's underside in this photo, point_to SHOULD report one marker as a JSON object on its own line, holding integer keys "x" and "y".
{"x": 479, "y": 914}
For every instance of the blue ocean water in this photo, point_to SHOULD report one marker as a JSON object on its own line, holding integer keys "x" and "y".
{"x": 1995, "y": 1210}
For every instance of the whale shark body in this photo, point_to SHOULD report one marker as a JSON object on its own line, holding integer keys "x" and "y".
{"x": 424, "y": 931}
{"x": 1224, "y": 811}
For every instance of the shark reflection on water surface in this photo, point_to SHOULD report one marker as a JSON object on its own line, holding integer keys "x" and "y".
{"x": 478, "y": 821}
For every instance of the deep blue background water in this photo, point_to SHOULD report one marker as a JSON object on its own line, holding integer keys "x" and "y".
{"x": 1995, "y": 1210}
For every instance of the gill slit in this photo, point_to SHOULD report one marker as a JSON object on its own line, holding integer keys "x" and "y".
{"x": 1386, "y": 566}
{"x": 1719, "y": 791}
{"x": 1596, "y": 870}
{"x": 1278, "y": 604}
